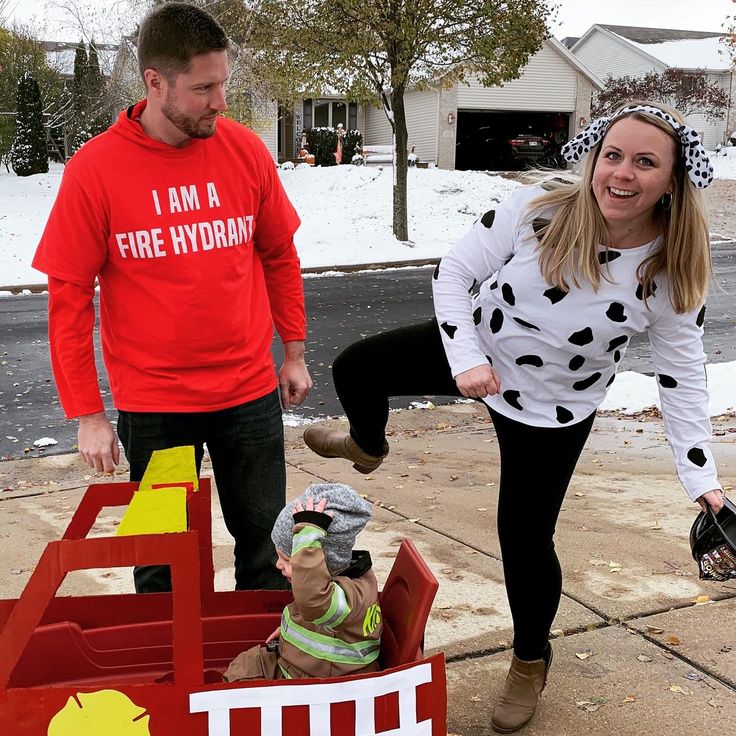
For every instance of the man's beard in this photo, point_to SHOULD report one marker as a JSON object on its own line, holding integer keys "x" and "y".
{"x": 191, "y": 127}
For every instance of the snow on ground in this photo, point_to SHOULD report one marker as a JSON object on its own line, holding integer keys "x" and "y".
{"x": 724, "y": 163}
{"x": 347, "y": 211}
{"x": 346, "y": 219}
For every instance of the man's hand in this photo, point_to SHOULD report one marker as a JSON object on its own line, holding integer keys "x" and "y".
{"x": 295, "y": 383}
{"x": 714, "y": 499}
{"x": 478, "y": 382}
{"x": 98, "y": 443}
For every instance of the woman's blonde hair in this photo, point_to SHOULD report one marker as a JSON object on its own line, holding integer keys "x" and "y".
{"x": 568, "y": 244}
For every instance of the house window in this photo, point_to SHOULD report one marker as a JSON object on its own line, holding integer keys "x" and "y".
{"x": 322, "y": 113}
{"x": 330, "y": 114}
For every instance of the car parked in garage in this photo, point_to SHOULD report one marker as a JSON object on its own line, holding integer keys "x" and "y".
{"x": 529, "y": 147}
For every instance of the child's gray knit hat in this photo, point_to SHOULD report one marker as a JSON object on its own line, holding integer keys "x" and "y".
{"x": 351, "y": 514}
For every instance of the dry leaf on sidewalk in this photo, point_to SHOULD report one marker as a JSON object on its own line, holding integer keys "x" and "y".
{"x": 673, "y": 641}
{"x": 643, "y": 658}
{"x": 591, "y": 705}
{"x": 654, "y": 630}
{"x": 584, "y": 655}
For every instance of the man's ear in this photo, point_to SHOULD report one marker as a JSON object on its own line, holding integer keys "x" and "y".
{"x": 155, "y": 83}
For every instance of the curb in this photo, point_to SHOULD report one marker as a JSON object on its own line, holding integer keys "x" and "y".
{"x": 17, "y": 289}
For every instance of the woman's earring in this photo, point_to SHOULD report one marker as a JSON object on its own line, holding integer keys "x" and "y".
{"x": 666, "y": 201}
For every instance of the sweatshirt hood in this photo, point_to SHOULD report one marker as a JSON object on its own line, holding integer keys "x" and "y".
{"x": 128, "y": 125}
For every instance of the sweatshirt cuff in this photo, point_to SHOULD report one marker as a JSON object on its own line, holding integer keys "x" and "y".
{"x": 315, "y": 518}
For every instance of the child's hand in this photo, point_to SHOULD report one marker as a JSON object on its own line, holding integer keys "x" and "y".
{"x": 274, "y": 634}
{"x": 320, "y": 507}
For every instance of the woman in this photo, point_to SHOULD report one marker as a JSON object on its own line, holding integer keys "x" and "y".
{"x": 568, "y": 272}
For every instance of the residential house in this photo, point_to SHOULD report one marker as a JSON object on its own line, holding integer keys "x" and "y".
{"x": 469, "y": 125}
{"x": 616, "y": 51}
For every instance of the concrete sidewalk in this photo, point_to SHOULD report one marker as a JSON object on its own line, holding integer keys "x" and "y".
{"x": 641, "y": 645}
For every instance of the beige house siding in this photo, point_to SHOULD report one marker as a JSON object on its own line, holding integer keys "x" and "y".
{"x": 547, "y": 84}
{"x": 266, "y": 126}
{"x": 377, "y": 129}
{"x": 421, "y": 124}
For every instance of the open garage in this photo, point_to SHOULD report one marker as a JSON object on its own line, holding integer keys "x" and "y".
{"x": 509, "y": 140}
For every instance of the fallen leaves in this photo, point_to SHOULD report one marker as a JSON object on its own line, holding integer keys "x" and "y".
{"x": 643, "y": 658}
{"x": 592, "y": 704}
{"x": 584, "y": 655}
{"x": 673, "y": 640}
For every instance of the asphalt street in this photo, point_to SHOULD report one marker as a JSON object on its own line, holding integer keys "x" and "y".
{"x": 341, "y": 309}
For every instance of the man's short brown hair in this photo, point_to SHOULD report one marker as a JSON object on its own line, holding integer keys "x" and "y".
{"x": 173, "y": 33}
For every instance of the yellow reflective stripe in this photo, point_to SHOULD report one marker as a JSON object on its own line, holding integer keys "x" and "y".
{"x": 310, "y": 536}
{"x": 328, "y": 648}
{"x": 338, "y": 610}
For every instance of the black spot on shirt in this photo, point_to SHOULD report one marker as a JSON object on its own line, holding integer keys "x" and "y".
{"x": 615, "y": 312}
{"x": 617, "y": 356}
{"x": 555, "y": 294}
{"x": 610, "y": 380}
{"x": 477, "y": 315}
{"x": 534, "y": 360}
{"x": 697, "y": 457}
{"x": 449, "y": 329}
{"x": 576, "y": 363}
{"x": 524, "y": 323}
{"x": 489, "y": 359}
{"x": 436, "y": 273}
{"x": 581, "y": 337}
{"x": 496, "y": 321}
{"x": 701, "y": 317}
{"x": 494, "y": 285}
{"x": 564, "y": 415}
{"x": 488, "y": 218}
{"x": 586, "y": 383}
{"x": 650, "y": 292}
{"x": 508, "y": 294}
{"x": 616, "y": 343}
{"x": 512, "y": 398}
{"x": 472, "y": 287}
{"x": 606, "y": 256}
{"x": 666, "y": 381}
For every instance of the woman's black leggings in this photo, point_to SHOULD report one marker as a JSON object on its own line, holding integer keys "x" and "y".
{"x": 536, "y": 464}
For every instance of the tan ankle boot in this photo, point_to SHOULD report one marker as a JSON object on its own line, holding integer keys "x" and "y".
{"x": 520, "y": 695}
{"x": 333, "y": 443}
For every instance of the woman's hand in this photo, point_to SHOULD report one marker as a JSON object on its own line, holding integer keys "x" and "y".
{"x": 478, "y": 382}
{"x": 714, "y": 499}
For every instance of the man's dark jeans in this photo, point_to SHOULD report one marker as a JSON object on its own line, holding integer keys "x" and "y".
{"x": 246, "y": 445}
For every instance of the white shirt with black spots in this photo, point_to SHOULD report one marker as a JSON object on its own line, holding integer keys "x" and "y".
{"x": 557, "y": 353}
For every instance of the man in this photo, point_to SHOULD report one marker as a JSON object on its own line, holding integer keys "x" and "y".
{"x": 181, "y": 217}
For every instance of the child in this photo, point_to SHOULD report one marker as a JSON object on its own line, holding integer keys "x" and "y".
{"x": 333, "y": 627}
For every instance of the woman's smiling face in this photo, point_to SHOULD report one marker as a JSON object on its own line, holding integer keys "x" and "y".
{"x": 634, "y": 169}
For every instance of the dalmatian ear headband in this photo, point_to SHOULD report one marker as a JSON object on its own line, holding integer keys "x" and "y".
{"x": 699, "y": 168}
